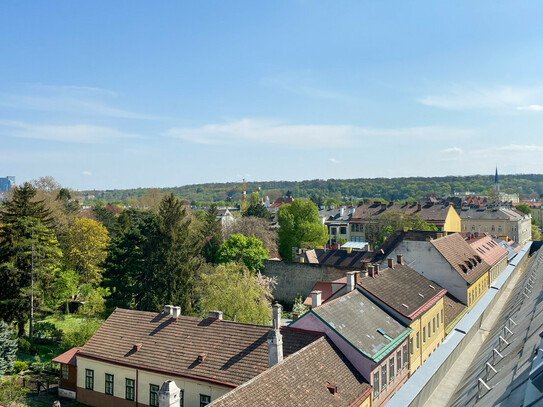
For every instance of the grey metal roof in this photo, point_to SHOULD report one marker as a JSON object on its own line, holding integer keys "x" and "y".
{"x": 489, "y": 214}
{"x": 510, "y": 252}
{"x": 363, "y": 324}
{"x": 509, "y": 384}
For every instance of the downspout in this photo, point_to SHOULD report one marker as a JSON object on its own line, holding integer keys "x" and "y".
{"x": 137, "y": 386}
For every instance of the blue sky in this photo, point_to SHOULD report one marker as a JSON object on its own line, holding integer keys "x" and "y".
{"x": 128, "y": 94}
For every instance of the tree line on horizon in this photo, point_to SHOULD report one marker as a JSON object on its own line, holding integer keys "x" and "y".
{"x": 529, "y": 186}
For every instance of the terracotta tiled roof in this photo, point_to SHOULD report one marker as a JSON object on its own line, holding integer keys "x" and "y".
{"x": 235, "y": 352}
{"x": 403, "y": 289}
{"x": 68, "y": 357}
{"x": 329, "y": 289}
{"x": 461, "y": 256}
{"x": 301, "y": 380}
{"x": 490, "y": 251}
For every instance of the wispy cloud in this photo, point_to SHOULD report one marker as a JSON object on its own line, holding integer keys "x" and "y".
{"x": 303, "y": 83}
{"x": 87, "y": 173}
{"x": 80, "y": 100}
{"x": 333, "y": 160}
{"x": 80, "y": 133}
{"x": 531, "y": 108}
{"x": 475, "y": 97}
{"x": 309, "y": 136}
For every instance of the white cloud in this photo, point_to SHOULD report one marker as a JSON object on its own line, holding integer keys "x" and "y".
{"x": 333, "y": 160}
{"x": 532, "y": 108}
{"x": 80, "y": 133}
{"x": 310, "y": 135}
{"x": 453, "y": 150}
{"x": 78, "y": 100}
{"x": 474, "y": 97}
{"x": 86, "y": 173}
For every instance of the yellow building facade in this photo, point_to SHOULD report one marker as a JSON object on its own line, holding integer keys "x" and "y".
{"x": 428, "y": 333}
{"x": 477, "y": 290}
{"x": 453, "y": 222}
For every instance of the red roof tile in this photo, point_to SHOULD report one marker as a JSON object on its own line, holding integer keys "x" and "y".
{"x": 68, "y": 357}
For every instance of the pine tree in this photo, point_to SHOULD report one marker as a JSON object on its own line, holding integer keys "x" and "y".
{"x": 211, "y": 234}
{"x": 8, "y": 348}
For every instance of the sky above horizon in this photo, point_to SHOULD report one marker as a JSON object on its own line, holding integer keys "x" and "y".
{"x": 125, "y": 94}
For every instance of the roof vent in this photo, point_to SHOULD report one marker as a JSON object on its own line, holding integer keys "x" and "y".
{"x": 136, "y": 347}
{"x": 406, "y": 306}
{"x": 331, "y": 388}
{"x": 420, "y": 295}
{"x": 432, "y": 287}
{"x": 202, "y": 357}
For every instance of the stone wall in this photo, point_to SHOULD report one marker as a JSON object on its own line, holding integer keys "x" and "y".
{"x": 298, "y": 278}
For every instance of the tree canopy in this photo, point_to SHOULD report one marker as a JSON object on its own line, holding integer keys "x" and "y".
{"x": 239, "y": 248}
{"x": 299, "y": 226}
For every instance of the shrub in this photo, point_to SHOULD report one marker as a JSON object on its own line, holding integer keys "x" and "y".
{"x": 12, "y": 393}
{"x": 81, "y": 335}
{"x": 19, "y": 366}
{"x": 24, "y": 345}
{"x": 46, "y": 330}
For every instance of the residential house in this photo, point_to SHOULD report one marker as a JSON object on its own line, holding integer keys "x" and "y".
{"x": 405, "y": 294}
{"x": 448, "y": 260}
{"x": 373, "y": 341}
{"x": 68, "y": 373}
{"x": 134, "y": 352}
{"x": 498, "y": 221}
{"x": 490, "y": 251}
{"x": 337, "y": 222}
{"x": 317, "y": 375}
{"x": 442, "y": 215}
{"x": 225, "y": 216}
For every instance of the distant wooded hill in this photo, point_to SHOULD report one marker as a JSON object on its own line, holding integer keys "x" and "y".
{"x": 528, "y": 185}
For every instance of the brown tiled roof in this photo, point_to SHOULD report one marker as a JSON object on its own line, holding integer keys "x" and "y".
{"x": 403, "y": 289}
{"x": 490, "y": 251}
{"x": 429, "y": 212}
{"x": 328, "y": 289}
{"x": 301, "y": 380}
{"x": 68, "y": 357}
{"x": 452, "y": 308}
{"x": 340, "y": 258}
{"x": 461, "y": 256}
{"x": 235, "y": 352}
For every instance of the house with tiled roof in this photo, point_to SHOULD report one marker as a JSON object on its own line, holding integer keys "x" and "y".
{"x": 68, "y": 373}
{"x": 373, "y": 341}
{"x": 135, "y": 352}
{"x": 336, "y": 221}
{"x": 442, "y": 215}
{"x": 317, "y": 375}
{"x": 497, "y": 221}
{"x": 490, "y": 251}
{"x": 448, "y": 260}
{"x": 402, "y": 292}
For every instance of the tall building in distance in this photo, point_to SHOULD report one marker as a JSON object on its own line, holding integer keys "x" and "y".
{"x": 6, "y": 183}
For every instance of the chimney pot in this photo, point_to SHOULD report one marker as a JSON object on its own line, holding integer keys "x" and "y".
{"x": 399, "y": 258}
{"x": 168, "y": 309}
{"x": 276, "y": 315}
{"x": 391, "y": 263}
{"x": 316, "y": 298}
{"x": 275, "y": 339}
{"x": 215, "y": 315}
{"x": 376, "y": 268}
{"x": 371, "y": 271}
{"x": 351, "y": 280}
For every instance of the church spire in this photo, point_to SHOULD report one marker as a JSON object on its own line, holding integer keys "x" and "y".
{"x": 496, "y": 182}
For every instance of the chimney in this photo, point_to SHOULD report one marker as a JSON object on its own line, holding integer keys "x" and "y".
{"x": 176, "y": 312}
{"x": 376, "y": 268}
{"x": 215, "y": 315}
{"x": 275, "y": 339}
{"x": 391, "y": 263}
{"x": 316, "y": 298}
{"x": 168, "y": 395}
{"x": 351, "y": 211}
{"x": 419, "y": 207}
{"x": 341, "y": 211}
{"x": 365, "y": 264}
{"x": 371, "y": 271}
{"x": 351, "y": 280}
{"x": 168, "y": 309}
{"x": 383, "y": 206}
{"x": 399, "y": 258}
{"x": 391, "y": 203}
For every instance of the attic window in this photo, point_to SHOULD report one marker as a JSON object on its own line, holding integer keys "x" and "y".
{"x": 331, "y": 388}
{"x": 202, "y": 357}
{"x": 464, "y": 269}
{"x": 478, "y": 259}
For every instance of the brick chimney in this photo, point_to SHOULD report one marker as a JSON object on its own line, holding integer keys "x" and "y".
{"x": 391, "y": 263}
{"x": 376, "y": 268}
{"x": 352, "y": 277}
{"x": 383, "y": 206}
{"x": 275, "y": 339}
{"x": 168, "y": 395}
{"x": 316, "y": 298}
{"x": 215, "y": 315}
{"x": 399, "y": 258}
{"x": 371, "y": 271}
{"x": 419, "y": 207}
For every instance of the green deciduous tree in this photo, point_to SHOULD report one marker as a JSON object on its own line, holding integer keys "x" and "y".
{"x": 239, "y": 248}
{"x": 237, "y": 292}
{"x": 383, "y": 226}
{"x": 524, "y": 209}
{"x": 299, "y": 225}
{"x": 257, "y": 227}
{"x": 536, "y": 234}
{"x": 8, "y": 348}
{"x": 86, "y": 248}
